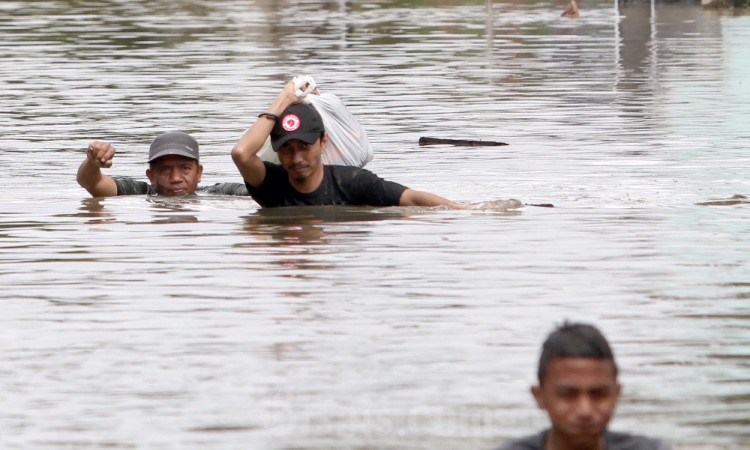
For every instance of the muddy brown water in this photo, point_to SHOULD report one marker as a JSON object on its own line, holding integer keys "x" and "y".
{"x": 139, "y": 322}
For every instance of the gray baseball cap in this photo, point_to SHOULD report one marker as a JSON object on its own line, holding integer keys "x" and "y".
{"x": 173, "y": 143}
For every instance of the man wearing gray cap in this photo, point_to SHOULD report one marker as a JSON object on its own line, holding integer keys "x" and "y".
{"x": 174, "y": 170}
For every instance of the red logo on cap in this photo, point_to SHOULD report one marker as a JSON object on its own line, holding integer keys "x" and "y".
{"x": 290, "y": 122}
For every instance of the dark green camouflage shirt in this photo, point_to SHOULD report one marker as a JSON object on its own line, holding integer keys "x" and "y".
{"x": 130, "y": 186}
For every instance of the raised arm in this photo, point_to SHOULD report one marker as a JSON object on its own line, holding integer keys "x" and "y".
{"x": 410, "y": 197}
{"x": 99, "y": 154}
{"x": 245, "y": 152}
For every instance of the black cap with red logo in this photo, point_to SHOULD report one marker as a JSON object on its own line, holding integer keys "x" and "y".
{"x": 300, "y": 121}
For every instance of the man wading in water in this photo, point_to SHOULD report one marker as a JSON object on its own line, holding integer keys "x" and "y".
{"x": 174, "y": 170}
{"x": 579, "y": 390}
{"x": 298, "y": 136}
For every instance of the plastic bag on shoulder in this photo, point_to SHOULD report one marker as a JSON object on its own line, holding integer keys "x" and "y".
{"x": 347, "y": 140}
{"x": 266, "y": 152}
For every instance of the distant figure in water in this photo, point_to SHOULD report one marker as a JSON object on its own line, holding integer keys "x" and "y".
{"x": 578, "y": 389}
{"x": 571, "y": 10}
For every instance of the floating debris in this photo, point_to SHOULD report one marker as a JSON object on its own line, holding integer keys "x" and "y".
{"x": 733, "y": 200}
{"x": 465, "y": 142}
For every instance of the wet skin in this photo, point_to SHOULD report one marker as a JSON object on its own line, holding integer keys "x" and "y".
{"x": 580, "y": 396}
{"x": 302, "y": 161}
{"x": 175, "y": 175}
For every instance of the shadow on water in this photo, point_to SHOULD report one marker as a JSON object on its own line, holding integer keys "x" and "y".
{"x": 93, "y": 209}
{"x": 287, "y": 224}
{"x": 307, "y": 224}
{"x": 172, "y": 210}
{"x": 167, "y": 210}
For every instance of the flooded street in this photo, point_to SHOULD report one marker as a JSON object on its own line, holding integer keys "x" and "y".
{"x": 206, "y": 322}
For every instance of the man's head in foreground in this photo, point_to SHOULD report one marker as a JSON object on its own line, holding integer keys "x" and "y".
{"x": 577, "y": 386}
{"x": 174, "y": 167}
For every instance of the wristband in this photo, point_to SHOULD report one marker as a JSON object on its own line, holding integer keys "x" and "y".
{"x": 268, "y": 115}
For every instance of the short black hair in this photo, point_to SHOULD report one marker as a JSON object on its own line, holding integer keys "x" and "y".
{"x": 574, "y": 340}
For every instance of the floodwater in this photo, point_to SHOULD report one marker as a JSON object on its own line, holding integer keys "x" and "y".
{"x": 200, "y": 323}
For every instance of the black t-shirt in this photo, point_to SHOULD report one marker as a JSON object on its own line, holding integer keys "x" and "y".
{"x": 615, "y": 441}
{"x": 341, "y": 185}
{"x": 130, "y": 186}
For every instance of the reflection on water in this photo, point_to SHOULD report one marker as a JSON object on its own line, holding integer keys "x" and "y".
{"x": 93, "y": 209}
{"x": 136, "y": 322}
{"x": 292, "y": 226}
